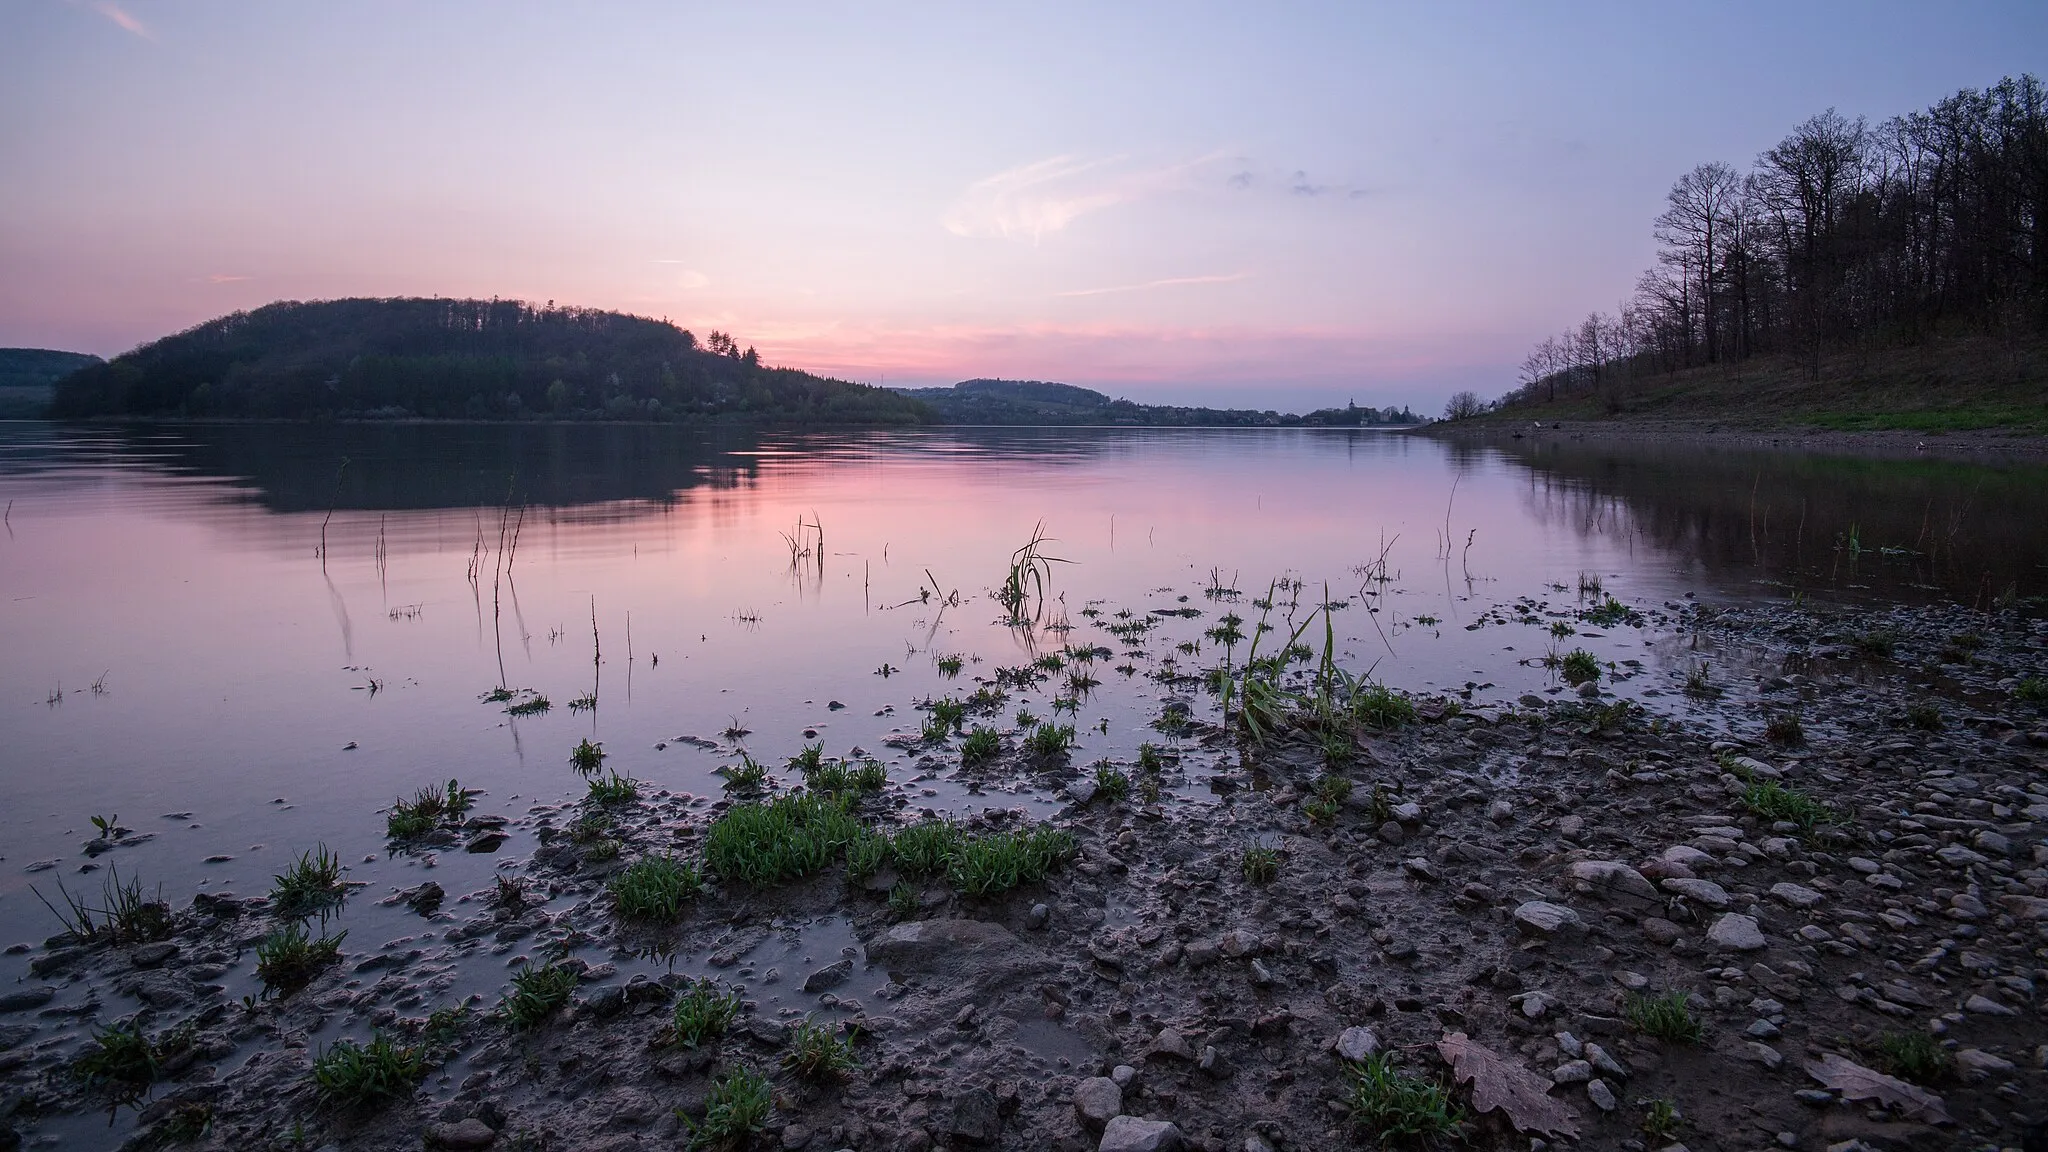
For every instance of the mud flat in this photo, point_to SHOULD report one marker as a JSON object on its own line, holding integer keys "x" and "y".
{"x": 1803, "y": 905}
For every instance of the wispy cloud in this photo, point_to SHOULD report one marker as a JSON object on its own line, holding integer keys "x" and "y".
{"x": 1030, "y": 201}
{"x": 125, "y": 19}
{"x": 1169, "y": 282}
{"x": 224, "y": 278}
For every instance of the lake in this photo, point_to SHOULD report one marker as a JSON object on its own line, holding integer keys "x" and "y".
{"x": 243, "y": 641}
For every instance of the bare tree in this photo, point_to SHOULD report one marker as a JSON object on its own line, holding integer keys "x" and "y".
{"x": 1463, "y": 405}
{"x": 1693, "y": 231}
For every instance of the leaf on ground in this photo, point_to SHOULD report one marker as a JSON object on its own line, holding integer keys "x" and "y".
{"x": 1855, "y": 1082}
{"x": 1523, "y": 1096}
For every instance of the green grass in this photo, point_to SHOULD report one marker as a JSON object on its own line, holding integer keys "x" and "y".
{"x": 617, "y": 790}
{"x": 1320, "y": 810}
{"x": 817, "y": 1052}
{"x": 1149, "y": 759}
{"x": 1925, "y": 716}
{"x": 310, "y": 886}
{"x": 903, "y": 900}
{"x": 1699, "y": 682}
{"x": 586, "y": 757}
{"x": 1881, "y": 644}
{"x": 533, "y": 705}
{"x": 949, "y": 666}
{"x": 996, "y": 862}
{"x": 809, "y": 759}
{"x": 2031, "y": 689}
{"x": 703, "y": 1012}
{"x": 1774, "y": 801}
{"x": 1961, "y": 418}
{"x": 866, "y": 853}
{"x": 288, "y": 958}
{"x": 1914, "y": 1056}
{"x": 735, "y": 1111}
{"x": 119, "y": 1060}
{"x": 126, "y": 915}
{"x": 1661, "y": 1120}
{"x": 1378, "y": 706}
{"x": 1784, "y": 728}
{"x": 353, "y": 1075}
{"x": 1049, "y": 741}
{"x": 947, "y": 713}
{"x": 924, "y": 848}
{"x": 840, "y": 778}
{"x": 654, "y": 889}
{"x": 428, "y": 808}
{"x": 1611, "y": 612}
{"x": 784, "y": 839}
{"x": 1579, "y": 666}
{"x": 537, "y": 992}
{"x": 982, "y": 745}
{"x": 1111, "y": 785}
{"x": 1668, "y": 1017}
{"x": 584, "y": 703}
{"x": 498, "y": 695}
{"x": 1260, "y": 865}
{"x": 1333, "y": 787}
{"x": 746, "y": 776}
{"x": 1397, "y": 1108}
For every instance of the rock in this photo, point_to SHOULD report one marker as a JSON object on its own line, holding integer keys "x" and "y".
{"x": 980, "y": 953}
{"x": 1611, "y": 880}
{"x": 829, "y": 977}
{"x": 1169, "y": 1042}
{"x": 1705, "y": 893}
{"x": 1097, "y": 1100}
{"x": 976, "y": 1118}
{"x": 1130, "y": 1134}
{"x": 152, "y": 955}
{"x": 1542, "y": 918}
{"x": 470, "y": 1133}
{"x": 1391, "y": 832}
{"x": 1214, "y": 1064}
{"x": 1736, "y": 933}
{"x": 1601, "y": 1095}
{"x": 1572, "y": 1072}
{"x": 1796, "y": 895}
{"x": 1984, "y": 1006}
{"x": 1238, "y": 943}
{"x": 1975, "y": 1064}
{"x": 1763, "y": 1054}
{"x": 425, "y": 899}
{"x": 1658, "y": 930}
{"x": 23, "y": 999}
{"x": 488, "y": 840}
{"x": 1356, "y": 1043}
{"x": 1038, "y": 916}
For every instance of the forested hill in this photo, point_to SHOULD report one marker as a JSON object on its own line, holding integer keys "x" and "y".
{"x": 1043, "y": 402}
{"x": 26, "y": 375}
{"x": 460, "y": 359}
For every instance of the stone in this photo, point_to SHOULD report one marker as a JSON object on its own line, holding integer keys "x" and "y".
{"x": 829, "y": 977}
{"x": 153, "y": 955}
{"x": 1736, "y": 933}
{"x": 21, "y": 1000}
{"x": 1238, "y": 943}
{"x": 1975, "y": 1064}
{"x": 1797, "y": 895}
{"x": 976, "y": 1118}
{"x": 1130, "y": 1134}
{"x": 1984, "y": 1006}
{"x": 1214, "y": 1064}
{"x": 1658, "y": 930}
{"x": 1355, "y": 1044}
{"x": 1038, "y": 916}
{"x": 1169, "y": 1042}
{"x": 488, "y": 840}
{"x": 463, "y": 1134}
{"x": 1572, "y": 1072}
{"x": 1763, "y": 1054}
{"x": 1611, "y": 880}
{"x": 1705, "y": 893}
{"x": 1542, "y": 918}
{"x": 1601, "y": 1095}
{"x": 1097, "y": 1101}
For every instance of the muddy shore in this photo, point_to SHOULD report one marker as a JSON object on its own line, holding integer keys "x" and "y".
{"x": 1830, "y": 870}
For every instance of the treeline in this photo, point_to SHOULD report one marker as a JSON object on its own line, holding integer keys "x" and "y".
{"x": 1041, "y": 402}
{"x": 460, "y": 359}
{"x": 1844, "y": 234}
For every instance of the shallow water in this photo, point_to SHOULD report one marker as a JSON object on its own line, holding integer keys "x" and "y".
{"x": 242, "y": 646}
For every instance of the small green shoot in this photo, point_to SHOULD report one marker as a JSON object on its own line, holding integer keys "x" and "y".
{"x": 1668, "y": 1017}
{"x": 1260, "y": 864}
{"x": 654, "y": 889}
{"x": 288, "y": 959}
{"x": 703, "y": 1013}
{"x": 1394, "y": 1107}
{"x": 735, "y": 1111}
{"x": 310, "y": 886}
{"x": 817, "y": 1052}
{"x": 537, "y": 992}
{"x": 355, "y": 1075}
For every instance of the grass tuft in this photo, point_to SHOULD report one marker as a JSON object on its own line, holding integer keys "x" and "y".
{"x": 310, "y": 886}
{"x": 119, "y": 1060}
{"x": 1925, "y": 716}
{"x": 735, "y": 1111}
{"x": 1915, "y": 1056}
{"x": 1579, "y": 666}
{"x": 288, "y": 959}
{"x": 982, "y": 745}
{"x": 1111, "y": 785}
{"x": 924, "y": 848}
{"x": 1774, "y": 801}
{"x": 537, "y": 992}
{"x": 991, "y": 864}
{"x": 586, "y": 757}
{"x": 1049, "y": 741}
{"x": 1378, "y": 706}
{"x": 784, "y": 839}
{"x": 1785, "y": 729}
{"x": 1260, "y": 864}
{"x": 654, "y": 889}
{"x": 617, "y": 790}
{"x": 2031, "y": 689}
{"x": 1395, "y": 1107}
{"x": 818, "y": 1052}
{"x": 704, "y": 1012}
{"x": 428, "y": 809}
{"x": 1668, "y": 1017}
{"x": 354, "y": 1075}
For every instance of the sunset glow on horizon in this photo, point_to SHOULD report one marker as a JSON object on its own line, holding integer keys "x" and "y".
{"x": 1281, "y": 207}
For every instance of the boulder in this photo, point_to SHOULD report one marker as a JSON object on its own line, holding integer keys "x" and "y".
{"x": 1130, "y": 1134}
{"x": 1542, "y": 918}
{"x": 1736, "y": 933}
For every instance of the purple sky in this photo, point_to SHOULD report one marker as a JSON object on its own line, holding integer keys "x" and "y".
{"x": 1276, "y": 205}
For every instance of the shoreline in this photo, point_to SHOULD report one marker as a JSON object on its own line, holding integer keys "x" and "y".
{"x": 1974, "y": 443}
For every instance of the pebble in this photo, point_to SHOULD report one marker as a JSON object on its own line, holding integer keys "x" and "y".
{"x": 1356, "y": 1043}
{"x": 1601, "y": 1095}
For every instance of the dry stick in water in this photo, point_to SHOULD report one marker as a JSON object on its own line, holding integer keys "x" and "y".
{"x": 331, "y": 502}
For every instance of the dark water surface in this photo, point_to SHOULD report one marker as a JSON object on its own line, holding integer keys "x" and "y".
{"x": 177, "y": 649}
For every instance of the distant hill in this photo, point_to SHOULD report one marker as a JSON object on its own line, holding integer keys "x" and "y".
{"x": 460, "y": 359}
{"x": 26, "y": 375}
{"x": 1045, "y": 402}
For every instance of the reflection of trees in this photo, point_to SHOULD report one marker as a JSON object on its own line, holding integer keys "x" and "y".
{"x": 1970, "y": 530}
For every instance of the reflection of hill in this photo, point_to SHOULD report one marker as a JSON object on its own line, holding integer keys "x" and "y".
{"x": 297, "y": 467}
{"x": 1822, "y": 522}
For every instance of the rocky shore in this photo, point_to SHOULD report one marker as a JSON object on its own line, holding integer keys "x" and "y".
{"x": 1806, "y": 908}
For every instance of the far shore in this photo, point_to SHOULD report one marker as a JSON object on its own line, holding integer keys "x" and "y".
{"x": 1976, "y": 442}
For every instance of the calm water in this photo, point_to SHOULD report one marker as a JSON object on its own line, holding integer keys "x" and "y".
{"x": 177, "y": 649}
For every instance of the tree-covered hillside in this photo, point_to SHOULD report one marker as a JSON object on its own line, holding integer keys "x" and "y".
{"x": 1044, "y": 402}
{"x": 460, "y": 359}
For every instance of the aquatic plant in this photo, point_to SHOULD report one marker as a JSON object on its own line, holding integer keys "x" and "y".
{"x": 982, "y": 745}
{"x": 1028, "y": 577}
{"x": 1699, "y": 682}
{"x": 949, "y": 666}
{"x": 288, "y": 959}
{"x": 311, "y": 885}
{"x": 355, "y": 1075}
{"x": 533, "y": 705}
{"x": 1578, "y": 666}
{"x": 994, "y": 863}
{"x": 1049, "y": 741}
{"x": 654, "y": 888}
{"x": 746, "y": 776}
{"x": 428, "y": 808}
{"x": 1110, "y": 784}
{"x": 584, "y": 703}
{"x": 924, "y": 848}
{"x": 703, "y": 1012}
{"x": 1785, "y": 728}
{"x": 1668, "y": 1017}
{"x": 783, "y": 839}
{"x": 617, "y": 790}
{"x": 118, "y": 1059}
{"x": 537, "y": 991}
{"x": 736, "y": 1109}
{"x": 586, "y": 757}
{"x": 818, "y": 1052}
{"x": 866, "y": 853}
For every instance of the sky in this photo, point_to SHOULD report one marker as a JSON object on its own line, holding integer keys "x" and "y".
{"x": 1276, "y": 205}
